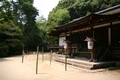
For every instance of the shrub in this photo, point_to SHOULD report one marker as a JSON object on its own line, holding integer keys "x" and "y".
{"x": 4, "y": 49}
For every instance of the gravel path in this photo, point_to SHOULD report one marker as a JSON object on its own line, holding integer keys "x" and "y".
{"x": 12, "y": 68}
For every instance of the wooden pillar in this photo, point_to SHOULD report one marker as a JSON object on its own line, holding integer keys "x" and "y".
{"x": 92, "y": 31}
{"x": 109, "y": 34}
{"x": 70, "y": 49}
{"x": 92, "y": 54}
{"x": 109, "y": 40}
{"x": 93, "y": 50}
{"x": 93, "y": 34}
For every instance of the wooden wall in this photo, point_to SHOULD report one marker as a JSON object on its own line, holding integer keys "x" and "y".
{"x": 101, "y": 36}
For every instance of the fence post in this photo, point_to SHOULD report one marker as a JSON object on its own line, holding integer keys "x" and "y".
{"x": 37, "y": 60}
{"x": 65, "y": 59}
{"x": 50, "y": 57}
{"x": 42, "y": 54}
{"x": 23, "y": 55}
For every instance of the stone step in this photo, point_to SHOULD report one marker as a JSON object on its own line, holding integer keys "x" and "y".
{"x": 86, "y": 64}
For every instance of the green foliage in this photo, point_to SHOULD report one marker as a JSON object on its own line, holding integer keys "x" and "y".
{"x": 80, "y": 8}
{"x": 61, "y": 16}
{"x": 11, "y": 38}
{"x": 41, "y": 23}
{"x": 58, "y": 17}
{"x": 114, "y": 2}
{"x": 67, "y": 10}
{"x": 21, "y": 13}
{"x": 3, "y": 49}
{"x": 65, "y": 4}
{"x": 18, "y": 26}
{"x": 30, "y": 31}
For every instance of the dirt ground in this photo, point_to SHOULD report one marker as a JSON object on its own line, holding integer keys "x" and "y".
{"x": 12, "y": 68}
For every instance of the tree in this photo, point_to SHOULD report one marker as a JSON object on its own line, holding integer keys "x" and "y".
{"x": 31, "y": 31}
{"x": 61, "y": 16}
{"x": 21, "y": 13}
{"x": 41, "y": 24}
{"x": 80, "y": 8}
{"x": 58, "y": 17}
{"x": 11, "y": 39}
{"x": 67, "y": 10}
{"x": 10, "y": 34}
{"x": 25, "y": 16}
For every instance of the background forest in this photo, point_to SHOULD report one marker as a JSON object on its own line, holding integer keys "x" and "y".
{"x": 19, "y": 27}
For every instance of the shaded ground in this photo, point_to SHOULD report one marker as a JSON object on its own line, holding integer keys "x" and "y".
{"x": 12, "y": 68}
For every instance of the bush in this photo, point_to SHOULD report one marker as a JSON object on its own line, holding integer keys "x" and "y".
{"x": 4, "y": 49}
{"x": 16, "y": 48}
